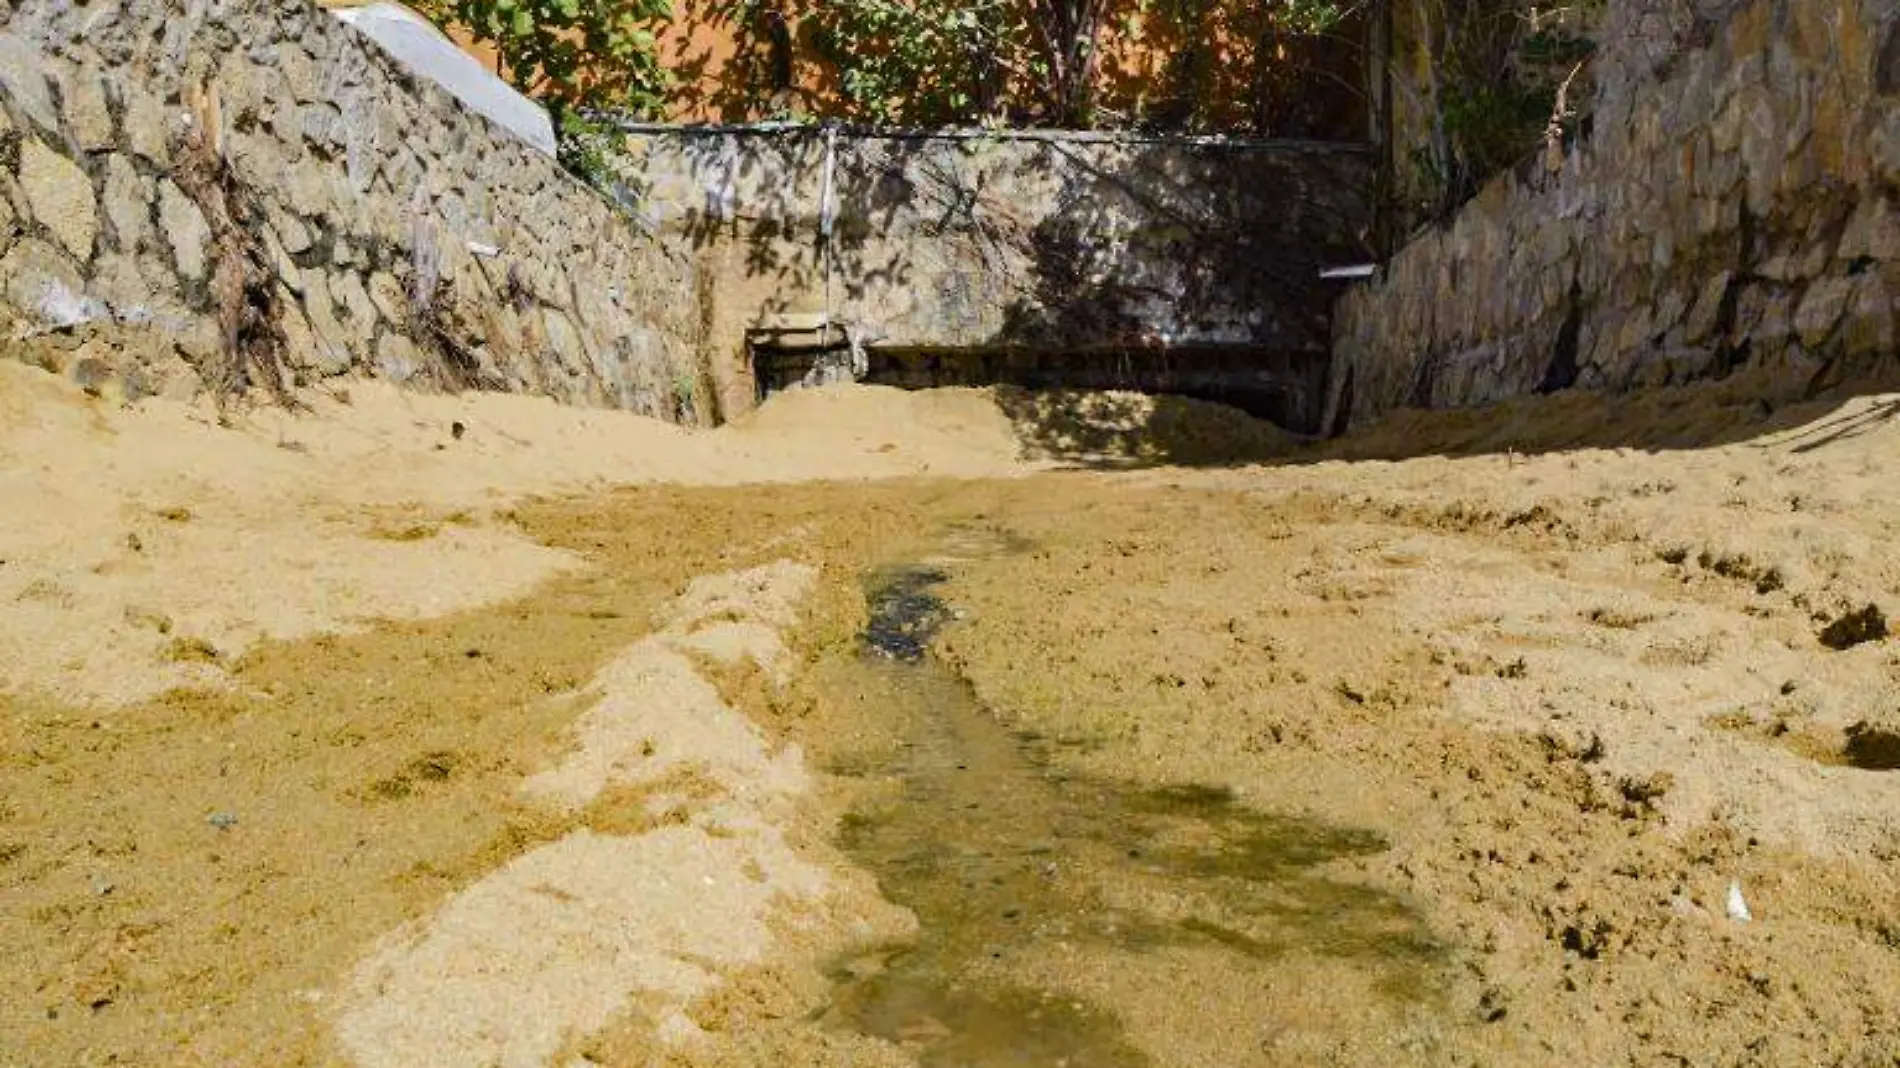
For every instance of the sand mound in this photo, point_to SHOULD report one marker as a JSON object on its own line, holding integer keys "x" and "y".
{"x": 976, "y": 431}
{"x": 374, "y": 504}
{"x": 1129, "y": 429}
{"x": 949, "y": 432}
{"x": 565, "y": 938}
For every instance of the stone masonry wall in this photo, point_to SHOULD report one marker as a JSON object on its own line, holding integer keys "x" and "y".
{"x": 1738, "y": 204}
{"x": 1638, "y": 40}
{"x": 367, "y": 186}
{"x": 1028, "y": 242}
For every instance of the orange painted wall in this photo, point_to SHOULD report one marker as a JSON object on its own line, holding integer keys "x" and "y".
{"x": 716, "y": 65}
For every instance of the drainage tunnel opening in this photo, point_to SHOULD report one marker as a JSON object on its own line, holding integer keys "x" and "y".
{"x": 1271, "y": 384}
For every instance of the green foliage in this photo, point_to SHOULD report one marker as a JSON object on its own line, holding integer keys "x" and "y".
{"x": 582, "y": 53}
{"x": 1492, "y": 126}
{"x": 1312, "y": 17}
{"x": 1494, "y": 73}
{"x": 587, "y": 149}
{"x": 952, "y": 62}
{"x": 1282, "y": 68}
{"x": 923, "y": 62}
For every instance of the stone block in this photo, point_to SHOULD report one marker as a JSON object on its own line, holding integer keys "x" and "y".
{"x": 1813, "y": 261}
{"x": 1747, "y": 33}
{"x": 260, "y": 160}
{"x": 322, "y": 125}
{"x": 1819, "y": 314}
{"x": 1705, "y": 314}
{"x": 472, "y": 286}
{"x": 148, "y": 127}
{"x": 565, "y": 340}
{"x": 1802, "y": 168}
{"x": 290, "y": 230}
{"x": 307, "y": 190}
{"x": 60, "y": 196}
{"x": 1662, "y": 251}
{"x": 362, "y": 152}
{"x": 1774, "y": 326}
{"x": 1751, "y": 309}
{"x": 404, "y": 172}
{"x": 1762, "y": 155}
{"x": 1725, "y": 132}
{"x": 128, "y": 204}
{"x": 280, "y": 263}
{"x": 335, "y": 346}
{"x": 185, "y": 230}
{"x": 23, "y": 77}
{"x": 1867, "y": 326}
{"x": 359, "y": 312}
{"x": 1873, "y": 232}
{"x": 302, "y": 350}
{"x": 299, "y": 71}
{"x": 88, "y": 116}
{"x": 118, "y": 281}
{"x": 1834, "y": 142}
{"x": 1637, "y": 331}
{"x": 45, "y": 285}
{"x": 240, "y": 86}
{"x": 1669, "y": 307}
{"x": 397, "y": 358}
{"x": 1779, "y": 267}
{"x": 389, "y": 297}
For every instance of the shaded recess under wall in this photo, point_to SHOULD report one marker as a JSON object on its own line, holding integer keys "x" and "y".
{"x": 1277, "y": 386}
{"x": 1284, "y": 387}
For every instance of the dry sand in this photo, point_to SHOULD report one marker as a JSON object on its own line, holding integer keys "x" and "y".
{"x": 146, "y": 546}
{"x": 341, "y": 737}
{"x": 569, "y": 936}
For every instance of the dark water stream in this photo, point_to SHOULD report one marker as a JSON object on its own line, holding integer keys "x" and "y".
{"x": 1006, "y": 860}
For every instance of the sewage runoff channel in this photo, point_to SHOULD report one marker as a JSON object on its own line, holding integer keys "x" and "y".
{"x": 1012, "y": 865}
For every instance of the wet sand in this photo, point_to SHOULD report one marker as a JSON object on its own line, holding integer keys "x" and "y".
{"x": 1452, "y": 759}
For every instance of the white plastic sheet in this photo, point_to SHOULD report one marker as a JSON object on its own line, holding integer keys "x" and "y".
{"x": 425, "y": 50}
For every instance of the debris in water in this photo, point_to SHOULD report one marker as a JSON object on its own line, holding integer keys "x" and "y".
{"x": 223, "y": 821}
{"x": 905, "y": 616}
{"x": 1737, "y": 905}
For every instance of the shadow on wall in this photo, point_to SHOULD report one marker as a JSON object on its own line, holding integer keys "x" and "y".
{"x": 1139, "y": 257}
{"x": 1009, "y": 247}
{"x": 1130, "y": 245}
{"x": 764, "y": 194}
